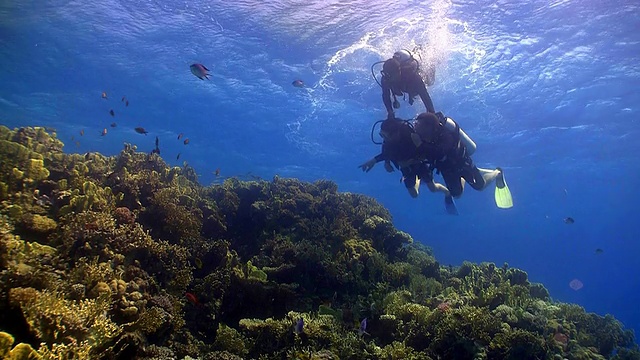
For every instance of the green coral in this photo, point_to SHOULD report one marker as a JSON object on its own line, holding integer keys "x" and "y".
{"x": 21, "y": 351}
{"x": 126, "y": 255}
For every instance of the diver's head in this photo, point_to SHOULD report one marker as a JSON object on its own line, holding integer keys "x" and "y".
{"x": 390, "y": 129}
{"x": 391, "y": 69}
{"x": 402, "y": 56}
{"x": 427, "y": 126}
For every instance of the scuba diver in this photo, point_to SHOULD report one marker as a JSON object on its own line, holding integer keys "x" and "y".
{"x": 399, "y": 148}
{"x": 400, "y": 75}
{"x": 444, "y": 145}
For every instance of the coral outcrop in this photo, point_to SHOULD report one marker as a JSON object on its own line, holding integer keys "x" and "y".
{"x": 126, "y": 257}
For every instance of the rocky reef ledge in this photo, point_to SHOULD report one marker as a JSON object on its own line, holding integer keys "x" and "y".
{"x": 126, "y": 257}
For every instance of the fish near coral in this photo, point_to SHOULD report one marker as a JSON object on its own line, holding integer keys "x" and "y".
{"x": 192, "y": 299}
{"x": 298, "y": 328}
{"x": 141, "y": 130}
{"x": 363, "y": 327}
{"x": 200, "y": 71}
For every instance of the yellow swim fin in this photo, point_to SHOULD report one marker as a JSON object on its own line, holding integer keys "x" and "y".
{"x": 502, "y": 193}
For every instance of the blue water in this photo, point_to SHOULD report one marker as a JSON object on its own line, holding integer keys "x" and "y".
{"x": 547, "y": 89}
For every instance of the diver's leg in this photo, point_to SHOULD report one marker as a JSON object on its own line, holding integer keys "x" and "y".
{"x": 488, "y": 176}
{"x": 411, "y": 181}
{"x": 454, "y": 182}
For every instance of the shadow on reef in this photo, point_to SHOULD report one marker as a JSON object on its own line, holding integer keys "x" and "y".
{"x": 124, "y": 257}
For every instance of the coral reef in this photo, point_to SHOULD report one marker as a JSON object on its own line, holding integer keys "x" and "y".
{"x": 126, "y": 257}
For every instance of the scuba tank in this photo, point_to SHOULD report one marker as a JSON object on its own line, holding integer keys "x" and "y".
{"x": 449, "y": 124}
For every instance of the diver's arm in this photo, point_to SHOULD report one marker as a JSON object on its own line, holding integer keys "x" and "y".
{"x": 386, "y": 98}
{"x": 424, "y": 95}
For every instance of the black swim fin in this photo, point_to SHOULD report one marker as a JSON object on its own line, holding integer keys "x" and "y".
{"x": 450, "y": 205}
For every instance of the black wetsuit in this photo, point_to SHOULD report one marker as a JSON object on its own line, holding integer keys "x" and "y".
{"x": 411, "y": 83}
{"x": 402, "y": 150}
{"x": 449, "y": 157}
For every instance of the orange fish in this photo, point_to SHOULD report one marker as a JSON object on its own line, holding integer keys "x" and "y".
{"x": 104, "y": 94}
{"x": 192, "y": 299}
{"x": 112, "y": 113}
{"x": 217, "y": 172}
{"x": 104, "y": 132}
{"x": 82, "y": 132}
{"x": 186, "y": 141}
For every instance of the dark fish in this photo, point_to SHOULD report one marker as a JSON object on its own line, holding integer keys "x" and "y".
{"x": 112, "y": 113}
{"x": 82, "y": 132}
{"x": 104, "y": 132}
{"x": 141, "y": 130}
{"x": 104, "y": 94}
{"x": 157, "y": 141}
{"x": 178, "y": 156}
{"x": 123, "y": 98}
{"x": 569, "y": 220}
{"x": 186, "y": 141}
{"x": 299, "y": 327}
{"x": 87, "y": 156}
{"x": 114, "y": 124}
{"x": 126, "y": 103}
{"x": 200, "y": 71}
{"x": 599, "y": 251}
{"x": 298, "y": 83}
{"x": 217, "y": 172}
{"x": 180, "y": 136}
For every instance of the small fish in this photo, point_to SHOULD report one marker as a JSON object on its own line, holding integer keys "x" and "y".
{"x": 87, "y": 156}
{"x": 77, "y": 143}
{"x": 114, "y": 124}
{"x": 180, "y": 136}
{"x": 192, "y": 298}
{"x": 112, "y": 113}
{"x": 104, "y": 132}
{"x": 198, "y": 263}
{"x": 599, "y": 251}
{"x": 186, "y": 141}
{"x": 299, "y": 327}
{"x": 82, "y": 132}
{"x": 200, "y": 71}
{"x": 104, "y": 94}
{"x": 141, "y": 130}
{"x": 157, "y": 141}
{"x": 569, "y": 220}
{"x": 178, "y": 156}
{"x": 126, "y": 103}
{"x": 363, "y": 327}
{"x": 217, "y": 172}
{"x": 123, "y": 99}
{"x": 298, "y": 83}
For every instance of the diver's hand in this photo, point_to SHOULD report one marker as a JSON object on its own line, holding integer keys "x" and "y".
{"x": 387, "y": 166}
{"x": 368, "y": 165}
